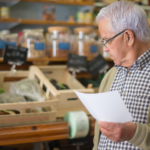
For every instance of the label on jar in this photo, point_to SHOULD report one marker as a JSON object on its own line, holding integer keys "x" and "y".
{"x": 39, "y": 46}
{"x": 93, "y": 49}
{"x": 11, "y": 43}
{"x": 2, "y": 44}
{"x": 64, "y": 46}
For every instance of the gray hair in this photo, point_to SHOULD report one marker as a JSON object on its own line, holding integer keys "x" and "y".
{"x": 126, "y": 15}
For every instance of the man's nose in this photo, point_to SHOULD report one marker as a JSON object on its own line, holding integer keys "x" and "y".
{"x": 105, "y": 49}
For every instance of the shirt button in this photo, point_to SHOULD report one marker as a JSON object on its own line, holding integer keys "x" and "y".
{"x": 129, "y": 73}
{"x": 140, "y": 68}
{"x": 124, "y": 93}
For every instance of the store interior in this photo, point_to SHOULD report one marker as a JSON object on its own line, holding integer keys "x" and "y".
{"x": 48, "y": 49}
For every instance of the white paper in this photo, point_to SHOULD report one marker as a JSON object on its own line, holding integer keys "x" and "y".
{"x": 107, "y": 106}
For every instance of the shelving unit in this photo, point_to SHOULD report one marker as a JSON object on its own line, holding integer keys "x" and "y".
{"x": 20, "y": 21}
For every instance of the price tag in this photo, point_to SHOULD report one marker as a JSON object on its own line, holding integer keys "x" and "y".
{"x": 77, "y": 62}
{"x": 97, "y": 64}
{"x": 15, "y": 54}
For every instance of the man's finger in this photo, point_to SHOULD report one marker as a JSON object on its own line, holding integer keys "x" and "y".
{"x": 108, "y": 125}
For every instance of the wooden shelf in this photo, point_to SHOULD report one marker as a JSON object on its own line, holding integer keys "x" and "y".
{"x": 44, "y": 22}
{"x": 10, "y": 20}
{"x": 47, "y": 59}
{"x": 51, "y": 59}
{"x": 62, "y": 2}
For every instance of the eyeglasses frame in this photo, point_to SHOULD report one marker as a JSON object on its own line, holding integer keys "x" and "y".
{"x": 105, "y": 42}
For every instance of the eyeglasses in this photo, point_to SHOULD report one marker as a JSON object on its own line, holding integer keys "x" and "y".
{"x": 105, "y": 42}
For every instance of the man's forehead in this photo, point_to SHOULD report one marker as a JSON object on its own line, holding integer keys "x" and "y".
{"x": 105, "y": 29}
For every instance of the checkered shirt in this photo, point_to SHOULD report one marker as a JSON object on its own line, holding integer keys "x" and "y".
{"x": 134, "y": 88}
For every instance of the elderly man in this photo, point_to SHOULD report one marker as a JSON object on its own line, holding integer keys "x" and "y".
{"x": 125, "y": 34}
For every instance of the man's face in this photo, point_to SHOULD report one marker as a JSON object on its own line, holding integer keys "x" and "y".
{"x": 115, "y": 47}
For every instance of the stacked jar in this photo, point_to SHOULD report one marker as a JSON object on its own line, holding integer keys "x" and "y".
{"x": 85, "y": 44}
{"x": 58, "y": 42}
{"x": 35, "y": 42}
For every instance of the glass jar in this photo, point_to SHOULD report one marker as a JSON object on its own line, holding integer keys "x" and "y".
{"x": 58, "y": 42}
{"x": 35, "y": 42}
{"x": 2, "y": 45}
{"x": 7, "y": 39}
{"x": 85, "y": 44}
{"x": 3, "y": 33}
{"x": 11, "y": 39}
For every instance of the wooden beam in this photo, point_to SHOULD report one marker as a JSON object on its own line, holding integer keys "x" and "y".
{"x": 34, "y": 133}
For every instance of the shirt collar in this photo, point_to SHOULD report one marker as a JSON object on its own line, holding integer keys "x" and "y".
{"x": 140, "y": 62}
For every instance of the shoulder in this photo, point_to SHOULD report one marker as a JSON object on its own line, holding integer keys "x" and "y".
{"x": 107, "y": 80}
{"x": 113, "y": 70}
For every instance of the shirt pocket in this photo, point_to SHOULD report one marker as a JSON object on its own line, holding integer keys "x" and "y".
{"x": 141, "y": 92}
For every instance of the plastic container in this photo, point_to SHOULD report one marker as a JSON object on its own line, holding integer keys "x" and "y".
{"x": 85, "y": 44}
{"x": 5, "y": 12}
{"x": 35, "y": 42}
{"x": 58, "y": 42}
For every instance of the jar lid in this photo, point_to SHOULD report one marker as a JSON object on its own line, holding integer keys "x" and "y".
{"x": 4, "y": 32}
{"x": 38, "y": 30}
{"x": 14, "y": 35}
{"x": 84, "y": 30}
{"x": 33, "y": 30}
{"x": 59, "y": 29}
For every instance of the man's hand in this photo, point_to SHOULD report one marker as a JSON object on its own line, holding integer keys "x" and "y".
{"x": 117, "y": 132}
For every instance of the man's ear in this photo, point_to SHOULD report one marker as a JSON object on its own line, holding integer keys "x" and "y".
{"x": 130, "y": 37}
